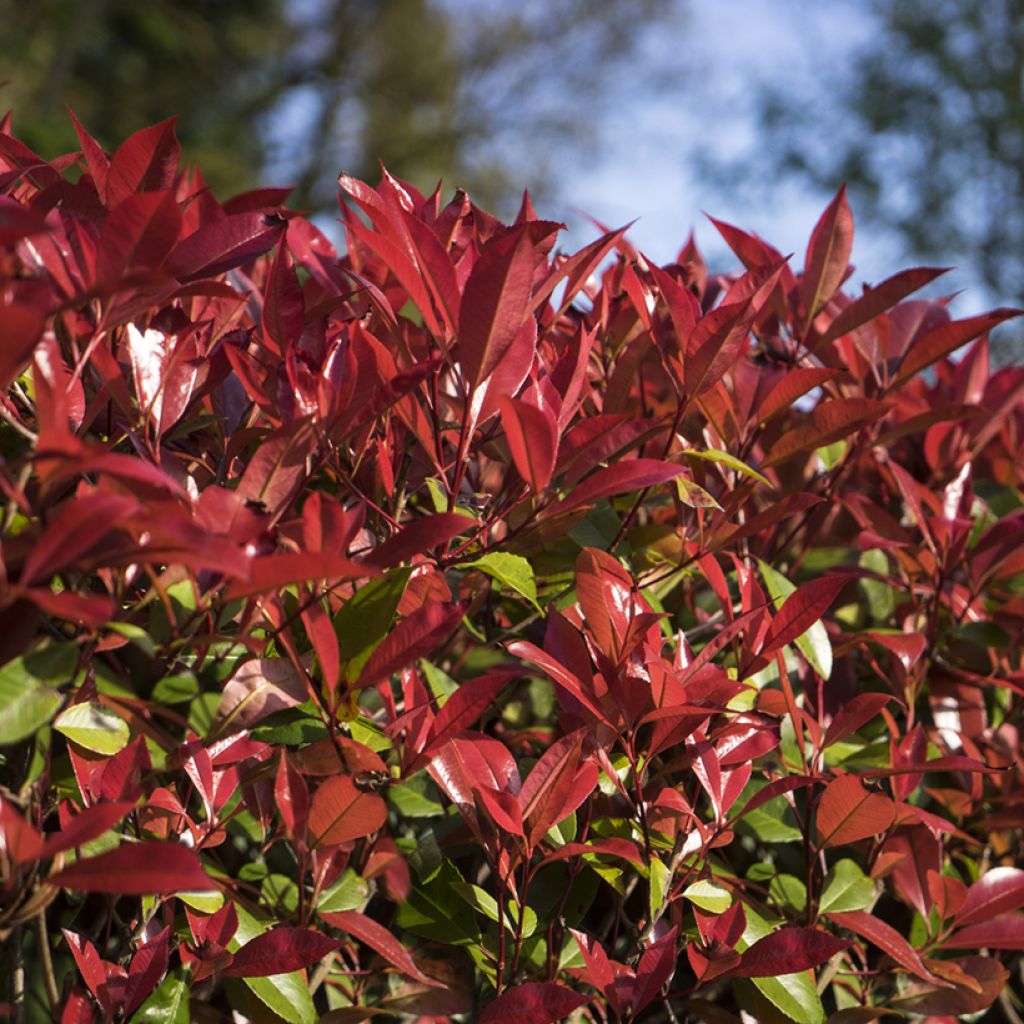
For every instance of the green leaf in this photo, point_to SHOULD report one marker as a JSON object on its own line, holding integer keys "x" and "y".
{"x": 486, "y": 904}
{"x": 28, "y": 694}
{"x": 846, "y": 888}
{"x": 205, "y": 902}
{"x": 167, "y": 1004}
{"x": 94, "y": 727}
{"x": 789, "y": 892}
{"x": 709, "y": 896}
{"x": 415, "y": 799}
{"x": 832, "y": 454}
{"x": 364, "y": 620}
{"x": 176, "y": 689}
{"x": 136, "y": 634}
{"x": 694, "y": 495}
{"x": 286, "y": 994}
{"x": 660, "y": 883}
{"x": 512, "y": 571}
{"x": 725, "y": 459}
{"x": 350, "y": 892}
{"x": 433, "y": 910}
{"x": 814, "y": 645}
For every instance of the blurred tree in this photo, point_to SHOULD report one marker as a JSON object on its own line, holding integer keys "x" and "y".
{"x": 123, "y": 64}
{"x": 480, "y": 92}
{"x": 927, "y": 126}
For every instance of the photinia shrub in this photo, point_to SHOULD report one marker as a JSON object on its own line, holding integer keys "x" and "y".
{"x": 458, "y": 629}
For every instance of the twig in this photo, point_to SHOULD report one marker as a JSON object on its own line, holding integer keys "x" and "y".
{"x": 49, "y": 979}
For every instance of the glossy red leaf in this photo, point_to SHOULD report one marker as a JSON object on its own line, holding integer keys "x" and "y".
{"x": 379, "y": 939}
{"x": 18, "y": 839}
{"x": 145, "y": 162}
{"x": 280, "y": 951}
{"x": 998, "y": 891}
{"x": 503, "y": 809}
{"x": 284, "y": 311}
{"x": 880, "y": 298}
{"x": 416, "y": 636}
{"x": 17, "y": 222}
{"x": 805, "y": 606}
{"x": 560, "y": 675}
{"x": 532, "y": 437}
{"x": 147, "y": 968}
{"x": 221, "y": 245}
{"x": 137, "y": 869}
{"x": 828, "y": 255}
{"x": 292, "y": 798}
{"x": 604, "y": 589}
{"x": 534, "y": 1002}
{"x": 854, "y": 714}
{"x": 621, "y": 478}
{"x": 557, "y": 784}
{"x": 85, "y": 825}
{"x": 829, "y": 421}
{"x": 946, "y": 339}
{"x": 1004, "y": 932}
{"x": 340, "y": 812}
{"x": 655, "y": 968}
{"x": 271, "y": 572}
{"x": 792, "y": 385}
{"x": 23, "y": 327}
{"x": 495, "y": 302}
{"x": 886, "y": 938}
{"x": 420, "y": 537}
{"x": 847, "y": 812}
{"x": 788, "y": 951}
{"x": 140, "y": 232}
{"x": 465, "y": 706}
{"x": 464, "y": 764}
{"x": 598, "y": 970}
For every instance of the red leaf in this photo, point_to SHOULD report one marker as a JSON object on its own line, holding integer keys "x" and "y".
{"x": 414, "y": 637}
{"x": 788, "y": 951}
{"x": 556, "y": 786}
{"x": 879, "y": 299}
{"x": 284, "y": 311}
{"x": 535, "y": 1002}
{"x": 771, "y": 791}
{"x": 559, "y": 674}
{"x": 145, "y": 162}
{"x": 655, "y": 968}
{"x": 465, "y": 706}
{"x": 805, "y": 606}
{"x": 828, "y": 255}
{"x": 996, "y": 892}
{"x": 793, "y": 383}
{"x": 503, "y": 809}
{"x": 598, "y": 971}
{"x": 17, "y": 221}
{"x": 847, "y": 812}
{"x": 532, "y": 437}
{"x": 604, "y": 590}
{"x": 148, "y": 966}
{"x": 379, "y": 939}
{"x": 277, "y": 469}
{"x": 633, "y": 475}
{"x": 855, "y": 713}
{"x": 220, "y": 245}
{"x": 420, "y": 537}
{"x": 18, "y": 839}
{"x": 829, "y": 421}
{"x": 272, "y": 572}
{"x": 292, "y": 798}
{"x": 946, "y": 339}
{"x": 1006, "y": 932}
{"x": 139, "y": 232}
{"x": 23, "y": 327}
{"x": 97, "y": 160}
{"x": 340, "y": 812}
{"x": 463, "y": 765}
{"x": 85, "y": 825}
{"x": 137, "y": 869}
{"x": 885, "y": 938}
{"x": 495, "y": 303}
{"x": 279, "y": 951}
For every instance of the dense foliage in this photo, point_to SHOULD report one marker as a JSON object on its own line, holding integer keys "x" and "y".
{"x": 462, "y": 630}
